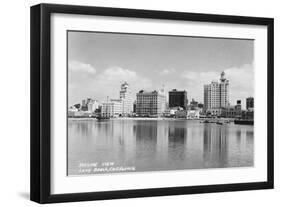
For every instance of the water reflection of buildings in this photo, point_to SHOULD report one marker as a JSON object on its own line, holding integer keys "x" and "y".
{"x": 243, "y": 145}
{"x": 215, "y": 146}
{"x": 146, "y": 132}
{"x": 177, "y": 140}
{"x": 80, "y": 129}
{"x": 249, "y": 138}
{"x": 160, "y": 133}
{"x": 177, "y": 135}
{"x": 160, "y": 145}
{"x": 244, "y": 139}
{"x": 238, "y": 137}
{"x": 162, "y": 139}
{"x": 113, "y": 140}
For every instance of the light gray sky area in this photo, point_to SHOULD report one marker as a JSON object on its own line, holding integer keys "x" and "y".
{"x": 99, "y": 62}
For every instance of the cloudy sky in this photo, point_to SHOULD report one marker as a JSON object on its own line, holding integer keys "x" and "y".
{"x": 99, "y": 62}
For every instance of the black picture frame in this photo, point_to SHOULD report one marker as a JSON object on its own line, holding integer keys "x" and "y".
{"x": 40, "y": 184}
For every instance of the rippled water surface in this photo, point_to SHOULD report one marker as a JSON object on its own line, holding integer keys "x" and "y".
{"x": 153, "y": 145}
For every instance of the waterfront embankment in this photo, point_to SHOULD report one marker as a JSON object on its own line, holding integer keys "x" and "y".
{"x": 150, "y": 118}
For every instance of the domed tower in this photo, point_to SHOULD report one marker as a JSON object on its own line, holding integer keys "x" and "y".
{"x": 222, "y": 76}
{"x": 127, "y": 98}
{"x": 224, "y": 91}
{"x": 124, "y": 86}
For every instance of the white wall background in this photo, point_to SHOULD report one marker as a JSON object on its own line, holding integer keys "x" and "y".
{"x": 14, "y": 104}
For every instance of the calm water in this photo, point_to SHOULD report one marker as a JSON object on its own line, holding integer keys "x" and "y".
{"x": 157, "y": 145}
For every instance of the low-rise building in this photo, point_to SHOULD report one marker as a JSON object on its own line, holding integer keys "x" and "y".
{"x": 248, "y": 115}
{"x": 214, "y": 112}
{"x": 112, "y": 108}
{"x": 93, "y": 105}
{"x": 71, "y": 111}
{"x": 193, "y": 114}
{"x": 170, "y": 112}
{"x": 233, "y": 111}
{"x": 249, "y": 103}
{"x": 181, "y": 114}
{"x": 193, "y": 104}
{"x": 229, "y": 112}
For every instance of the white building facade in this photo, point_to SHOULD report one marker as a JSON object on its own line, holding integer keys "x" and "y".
{"x": 216, "y": 95}
{"x": 127, "y": 98}
{"x": 112, "y": 108}
{"x": 93, "y": 105}
{"x": 122, "y": 106}
{"x": 152, "y": 104}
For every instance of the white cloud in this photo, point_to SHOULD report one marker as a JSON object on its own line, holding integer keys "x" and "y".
{"x": 114, "y": 74}
{"x": 241, "y": 78}
{"x": 111, "y": 79}
{"x": 76, "y": 66}
{"x": 117, "y": 75}
{"x": 202, "y": 77}
{"x": 106, "y": 83}
{"x": 241, "y": 82}
{"x": 85, "y": 81}
{"x": 168, "y": 71}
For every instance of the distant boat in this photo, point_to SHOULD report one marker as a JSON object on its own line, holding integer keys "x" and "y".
{"x": 219, "y": 123}
{"x": 244, "y": 121}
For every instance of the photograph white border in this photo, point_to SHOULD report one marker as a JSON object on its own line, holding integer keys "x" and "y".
{"x": 60, "y": 183}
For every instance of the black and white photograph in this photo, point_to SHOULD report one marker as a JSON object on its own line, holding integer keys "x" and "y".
{"x": 140, "y": 103}
{"x": 132, "y": 103}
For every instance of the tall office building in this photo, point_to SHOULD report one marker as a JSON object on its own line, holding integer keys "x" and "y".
{"x": 127, "y": 97}
{"x": 150, "y": 103}
{"x": 249, "y": 103}
{"x": 177, "y": 99}
{"x": 216, "y": 95}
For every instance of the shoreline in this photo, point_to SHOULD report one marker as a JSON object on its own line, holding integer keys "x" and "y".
{"x": 147, "y": 119}
{"x": 129, "y": 118}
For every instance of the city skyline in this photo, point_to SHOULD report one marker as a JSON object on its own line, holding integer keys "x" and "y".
{"x": 99, "y": 62}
